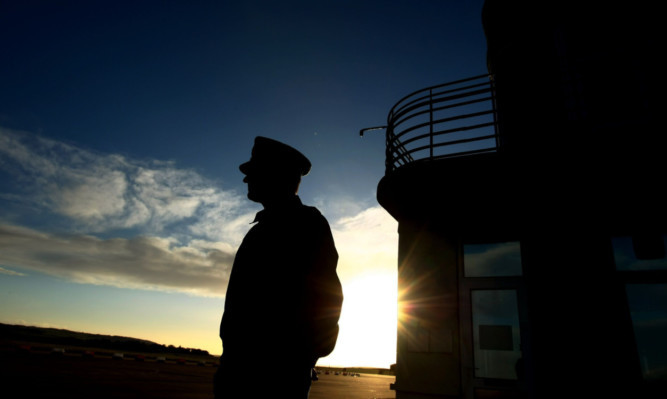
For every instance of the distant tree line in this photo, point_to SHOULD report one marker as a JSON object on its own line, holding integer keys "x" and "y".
{"x": 72, "y": 338}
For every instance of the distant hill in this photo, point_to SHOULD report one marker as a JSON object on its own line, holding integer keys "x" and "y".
{"x": 57, "y": 336}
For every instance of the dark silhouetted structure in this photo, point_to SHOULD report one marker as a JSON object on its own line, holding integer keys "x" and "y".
{"x": 531, "y": 212}
{"x": 284, "y": 297}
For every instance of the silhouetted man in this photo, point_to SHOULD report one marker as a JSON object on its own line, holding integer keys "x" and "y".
{"x": 284, "y": 297}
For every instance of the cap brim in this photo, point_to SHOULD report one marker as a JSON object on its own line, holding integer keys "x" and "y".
{"x": 246, "y": 167}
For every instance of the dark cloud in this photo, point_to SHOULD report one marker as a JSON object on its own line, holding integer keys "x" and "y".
{"x": 139, "y": 262}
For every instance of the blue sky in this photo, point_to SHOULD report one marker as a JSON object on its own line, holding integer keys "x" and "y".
{"x": 122, "y": 125}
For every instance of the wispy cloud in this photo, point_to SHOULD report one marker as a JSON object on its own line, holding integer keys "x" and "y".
{"x": 366, "y": 241}
{"x": 10, "y": 272}
{"x": 145, "y": 224}
{"x": 140, "y": 262}
{"x": 171, "y": 228}
{"x": 105, "y": 192}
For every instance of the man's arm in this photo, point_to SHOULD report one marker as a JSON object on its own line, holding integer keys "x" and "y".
{"x": 325, "y": 297}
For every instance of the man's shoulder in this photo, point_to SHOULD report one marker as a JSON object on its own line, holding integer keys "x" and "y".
{"x": 310, "y": 214}
{"x": 310, "y": 210}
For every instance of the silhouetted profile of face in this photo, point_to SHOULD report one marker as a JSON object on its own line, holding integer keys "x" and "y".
{"x": 270, "y": 186}
{"x": 274, "y": 171}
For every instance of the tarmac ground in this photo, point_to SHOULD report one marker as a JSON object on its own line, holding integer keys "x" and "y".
{"x": 77, "y": 376}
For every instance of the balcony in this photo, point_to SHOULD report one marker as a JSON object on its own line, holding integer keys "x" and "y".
{"x": 443, "y": 153}
{"x": 449, "y": 120}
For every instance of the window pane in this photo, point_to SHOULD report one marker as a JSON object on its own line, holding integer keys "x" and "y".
{"x": 626, "y": 259}
{"x": 492, "y": 260}
{"x": 648, "y": 307}
{"x": 496, "y": 335}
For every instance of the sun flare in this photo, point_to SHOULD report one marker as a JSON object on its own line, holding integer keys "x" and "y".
{"x": 367, "y": 323}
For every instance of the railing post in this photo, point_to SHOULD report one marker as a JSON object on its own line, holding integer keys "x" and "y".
{"x": 388, "y": 163}
{"x": 407, "y": 116}
{"x": 430, "y": 125}
{"x": 492, "y": 86}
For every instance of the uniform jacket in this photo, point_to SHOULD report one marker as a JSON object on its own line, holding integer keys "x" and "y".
{"x": 284, "y": 297}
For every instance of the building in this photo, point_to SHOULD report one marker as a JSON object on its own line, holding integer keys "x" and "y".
{"x": 531, "y": 212}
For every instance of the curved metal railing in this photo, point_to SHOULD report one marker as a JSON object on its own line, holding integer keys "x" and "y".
{"x": 448, "y": 120}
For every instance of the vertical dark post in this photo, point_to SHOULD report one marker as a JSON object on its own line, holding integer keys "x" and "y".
{"x": 492, "y": 88}
{"x": 430, "y": 125}
{"x": 389, "y": 147}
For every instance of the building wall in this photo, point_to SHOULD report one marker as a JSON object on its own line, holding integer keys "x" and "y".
{"x": 580, "y": 165}
{"x": 428, "y": 340}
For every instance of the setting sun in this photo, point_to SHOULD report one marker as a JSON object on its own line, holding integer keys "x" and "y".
{"x": 368, "y": 322}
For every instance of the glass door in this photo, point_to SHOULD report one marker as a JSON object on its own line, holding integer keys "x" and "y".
{"x": 492, "y": 321}
{"x": 496, "y": 334}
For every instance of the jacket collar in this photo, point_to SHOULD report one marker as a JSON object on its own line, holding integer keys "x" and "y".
{"x": 281, "y": 208}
